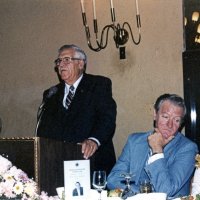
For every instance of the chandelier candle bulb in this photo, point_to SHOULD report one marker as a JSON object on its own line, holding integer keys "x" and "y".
{"x": 111, "y": 4}
{"x": 198, "y": 29}
{"x": 82, "y": 6}
{"x": 195, "y": 16}
{"x": 94, "y": 9}
{"x": 137, "y": 7}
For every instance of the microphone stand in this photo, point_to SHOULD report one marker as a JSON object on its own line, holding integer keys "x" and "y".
{"x": 41, "y": 109}
{"x": 39, "y": 117}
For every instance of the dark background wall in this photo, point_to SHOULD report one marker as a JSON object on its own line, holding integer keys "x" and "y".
{"x": 191, "y": 70}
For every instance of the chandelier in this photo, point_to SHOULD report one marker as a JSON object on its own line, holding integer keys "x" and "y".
{"x": 192, "y": 30}
{"x": 120, "y": 32}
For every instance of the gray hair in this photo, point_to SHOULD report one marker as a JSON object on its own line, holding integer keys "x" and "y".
{"x": 173, "y": 98}
{"x": 78, "y": 52}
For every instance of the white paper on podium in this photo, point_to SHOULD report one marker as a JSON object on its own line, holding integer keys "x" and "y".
{"x": 76, "y": 173}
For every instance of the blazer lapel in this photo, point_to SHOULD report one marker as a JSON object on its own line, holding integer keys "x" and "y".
{"x": 80, "y": 95}
{"x": 171, "y": 147}
{"x": 61, "y": 88}
{"x": 142, "y": 150}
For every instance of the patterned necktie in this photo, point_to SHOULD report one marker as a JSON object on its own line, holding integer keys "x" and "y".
{"x": 69, "y": 97}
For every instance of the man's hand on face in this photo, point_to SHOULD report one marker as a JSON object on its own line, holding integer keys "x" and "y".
{"x": 157, "y": 142}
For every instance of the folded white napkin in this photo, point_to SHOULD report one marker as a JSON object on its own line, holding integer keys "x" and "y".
{"x": 149, "y": 196}
{"x": 60, "y": 191}
{"x": 94, "y": 195}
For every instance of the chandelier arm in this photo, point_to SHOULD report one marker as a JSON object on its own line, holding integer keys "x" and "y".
{"x": 99, "y": 44}
{"x": 138, "y": 21}
{"x": 106, "y": 28}
{"x": 87, "y": 31}
{"x": 139, "y": 39}
{"x": 113, "y": 18}
{"x": 116, "y": 28}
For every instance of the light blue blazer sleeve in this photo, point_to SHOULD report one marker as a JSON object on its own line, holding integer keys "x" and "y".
{"x": 173, "y": 172}
{"x": 132, "y": 160}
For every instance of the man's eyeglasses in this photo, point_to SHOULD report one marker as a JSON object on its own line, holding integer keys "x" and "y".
{"x": 66, "y": 60}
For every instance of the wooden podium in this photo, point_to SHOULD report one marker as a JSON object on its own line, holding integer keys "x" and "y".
{"x": 41, "y": 158}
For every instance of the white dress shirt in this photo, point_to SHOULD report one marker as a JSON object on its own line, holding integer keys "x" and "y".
{"x": 154, "y": 157}
{"x": 67, "y": 88}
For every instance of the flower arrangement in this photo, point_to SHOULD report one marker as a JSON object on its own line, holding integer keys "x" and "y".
{"x": 190, "y": 197}
{"x": 15, "y": 184}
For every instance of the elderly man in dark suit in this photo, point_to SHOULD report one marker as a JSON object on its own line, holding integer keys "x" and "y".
{"x": 80, "y": 108}
{"x": 78, "y": 191}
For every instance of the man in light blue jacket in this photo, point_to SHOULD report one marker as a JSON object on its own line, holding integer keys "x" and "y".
{"x": 164, "y": 156}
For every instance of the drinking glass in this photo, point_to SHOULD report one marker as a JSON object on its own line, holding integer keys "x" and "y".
{"x": 127, "y": 192}
{"x": 99, "y": 181}
{"x": 145, "y": 187}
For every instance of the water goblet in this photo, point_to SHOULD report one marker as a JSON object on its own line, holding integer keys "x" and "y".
{"x": 99, "y": 181}
{"x": 127, "y": 192}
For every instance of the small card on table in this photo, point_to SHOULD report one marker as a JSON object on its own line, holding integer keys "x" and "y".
{"x": 77, "y": 179}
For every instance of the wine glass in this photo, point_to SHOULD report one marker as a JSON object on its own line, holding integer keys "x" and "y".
{"x": 99, "y": 181}
{"x": 127, "y": 192}
{"x": 145, "y": 187}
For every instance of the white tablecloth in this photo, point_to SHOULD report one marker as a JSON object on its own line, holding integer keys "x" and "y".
{"x": 150, "y": 196}
{"x": 94, "y": 195}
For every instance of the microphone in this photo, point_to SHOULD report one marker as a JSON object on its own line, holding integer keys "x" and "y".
{"x": 50, "y": 93}
{"x": 41, "y": 109}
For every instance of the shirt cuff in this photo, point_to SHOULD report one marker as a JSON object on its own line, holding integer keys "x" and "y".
{"x": 95, "y": 140}
{"x": 155, "y": 157}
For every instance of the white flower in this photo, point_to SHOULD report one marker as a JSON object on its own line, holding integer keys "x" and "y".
{"x": 8, "y": 177}
{"x": 15, "y": 172}
{"x": 44, "y": 196}
{"x": 5, "y": 165}
{"x": 30, "y": 189}
{"x": 7, "y": 189}
{"x": 23, "y": 177}
{"x": 18, "y": 188}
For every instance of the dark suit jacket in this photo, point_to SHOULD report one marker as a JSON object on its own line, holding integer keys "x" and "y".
{"x": 75, "y": 192}
{"x": 92, "y": 113}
